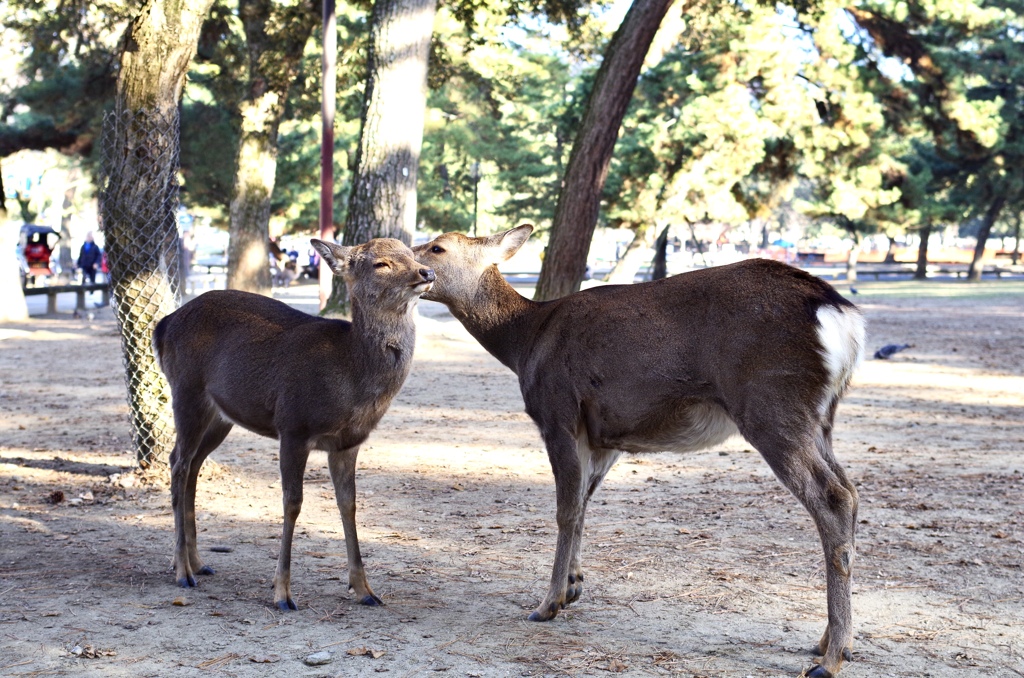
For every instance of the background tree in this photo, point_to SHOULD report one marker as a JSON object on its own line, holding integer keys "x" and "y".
{"x": 217, "y": 86}
{"x": 382, "y": 200}
{"x": 506, "y": 106}
{"x": 708, "y": 136}
{"x": 848, "y": 147}
{"x": 276, "y": 35}
{"x": 68, "y": 55}
{"x": 967, "y": 90}
{"x": 579, "y": 198}
{"x": 12, "y": 299}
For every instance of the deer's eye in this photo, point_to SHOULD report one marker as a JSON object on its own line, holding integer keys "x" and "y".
{"x": 381, "y": 264}
{"x": 437, "y": 249}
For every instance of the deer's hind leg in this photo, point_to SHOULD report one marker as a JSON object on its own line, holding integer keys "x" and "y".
{"x": 595, "y": 465}
{"x": 192, "y": 421}
{"x": 214, "y": 436}
{"x": 577, "y": 473}
{"x": 801, "y": 456}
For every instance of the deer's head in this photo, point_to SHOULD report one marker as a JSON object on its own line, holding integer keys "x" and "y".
{"x": 382, "y": 272}
{"x": 459, "y": 260}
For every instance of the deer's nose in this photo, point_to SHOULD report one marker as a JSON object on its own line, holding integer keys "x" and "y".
{"x": 427, "y": 274}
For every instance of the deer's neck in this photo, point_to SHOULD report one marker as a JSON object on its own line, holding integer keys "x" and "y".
{"x": 387, "y": 338}
{"x": 498, "y": 317}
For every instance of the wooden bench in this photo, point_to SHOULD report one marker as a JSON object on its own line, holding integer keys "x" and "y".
{"x": 879, "y": 271}
{"x": 876, "y": 271}
{"x": 999, "y": 270}
{"x": 52, "y": 291}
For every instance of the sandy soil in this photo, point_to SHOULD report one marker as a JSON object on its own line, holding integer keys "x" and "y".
{"x": 698, "y": 565}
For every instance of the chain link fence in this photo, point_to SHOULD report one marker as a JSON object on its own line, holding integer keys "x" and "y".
{"x": 138, "y": 208}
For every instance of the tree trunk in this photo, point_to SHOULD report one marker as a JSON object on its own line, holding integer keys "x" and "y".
{"x": 1015, "y": 257}
{"x": 659, "y": 270}
{"x": 579, "y": 200}
{"x": 974, "y": 273}
{"x": 65, "y": 257}
{"x": 764, "y": 234}
{"x": 276, "y": 37}
{"x": 922, "y": 253}
{"x": 328, "y": 106}
{"x": 625, "y": 269}
{"x": 890, "y": 253}
{"x": 255, "y": 170}
{"x": 12, "y": 297}
{"x": 851, "y": 261}
{"x": 139, "y": 200}
{"x": 382, "y": 203}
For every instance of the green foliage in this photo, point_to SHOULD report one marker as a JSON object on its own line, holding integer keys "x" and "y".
{"x": 965, "y": 85}
{"x": 210, "y": 122}
{"x": 209, "y": 137}
{"x": 886, "y": 115}
{"x": 60, "y": 72}
{"x": 708, "y": 134}
{"x": 510, "y": 106}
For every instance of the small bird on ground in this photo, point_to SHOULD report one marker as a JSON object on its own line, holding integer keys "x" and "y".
{"x": 890, "y": 350}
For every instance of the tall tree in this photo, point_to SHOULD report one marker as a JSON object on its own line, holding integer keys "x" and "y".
{"x": 382, "y": 201}
{"x": 849, "y": 147}
{"x": 65, "y": 56}
{"x": 963, "y": 58}
{"x": 708, "y": 136}
{"x": 12, "y": 299}
{"x": 504, "y": 108}
{"x": 276, "y": 35}
{"x": 139, "y": 201}
{"x": 579, "y": 200}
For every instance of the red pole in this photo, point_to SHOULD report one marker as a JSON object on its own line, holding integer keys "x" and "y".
{"x": 328, "y": 61}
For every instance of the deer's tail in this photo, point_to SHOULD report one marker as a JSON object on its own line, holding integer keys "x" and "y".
{"x": 841, "y": 335}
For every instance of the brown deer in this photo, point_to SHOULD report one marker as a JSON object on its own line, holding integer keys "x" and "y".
{"x": 756, "y": 348}
{"x": 313, "y": 383}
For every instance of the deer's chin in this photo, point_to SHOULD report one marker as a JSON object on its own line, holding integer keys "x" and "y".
{"x": 422, "y": 288}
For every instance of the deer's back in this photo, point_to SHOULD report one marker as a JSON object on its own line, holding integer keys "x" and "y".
{"x": 636, "y": 356}
{"x": 272, "y": 368}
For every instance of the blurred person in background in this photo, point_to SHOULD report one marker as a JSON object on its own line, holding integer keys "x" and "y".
{"x": 89, "y": 259}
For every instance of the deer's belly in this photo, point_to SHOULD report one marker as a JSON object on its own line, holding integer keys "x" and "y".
{"x": 694, "y": 427}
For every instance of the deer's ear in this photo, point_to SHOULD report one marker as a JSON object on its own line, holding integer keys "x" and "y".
{"x": 509, "y": 242}
{"x": 336, "y": 256}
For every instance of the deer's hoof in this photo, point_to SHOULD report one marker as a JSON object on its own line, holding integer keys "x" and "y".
{"x": 371, "y": 600}
{"x": 206, "y": 569}
{"x": 287, "y": 605}
{"x": 547, "y": 614}
{"x": 818, "y": 671}
{"x": 574, "y": 590}
{"x": 187, "y": 582}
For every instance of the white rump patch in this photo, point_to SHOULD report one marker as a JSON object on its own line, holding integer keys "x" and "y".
{"x": 841, "y": 334}
{"x": 156, "y": 355}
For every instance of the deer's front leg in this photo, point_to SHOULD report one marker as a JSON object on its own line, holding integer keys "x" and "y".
{"x": 565, "y": 464}
{"x": 294, "y": 454}
{"x": 343, "y": 473}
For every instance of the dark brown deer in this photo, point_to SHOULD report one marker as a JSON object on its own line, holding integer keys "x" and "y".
{"x": 313, "y": 383}
{"x": 757, "y": 348}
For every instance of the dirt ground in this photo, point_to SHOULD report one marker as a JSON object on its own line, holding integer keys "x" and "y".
{"x": 697, "y": 565}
